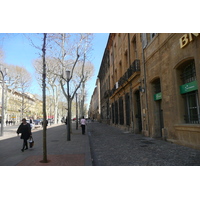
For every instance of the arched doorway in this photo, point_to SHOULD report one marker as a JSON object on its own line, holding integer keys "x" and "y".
{"x": 158, "y": 110}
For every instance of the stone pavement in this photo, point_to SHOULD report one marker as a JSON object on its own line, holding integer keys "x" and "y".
{"x": 60, "y": 152}
{"x": 111, "y": 146}
{"x": 103, "y": 145}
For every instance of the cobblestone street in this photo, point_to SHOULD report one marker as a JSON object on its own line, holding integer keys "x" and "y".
{"x": 111, "y": 146}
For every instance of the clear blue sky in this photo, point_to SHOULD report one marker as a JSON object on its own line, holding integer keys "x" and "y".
{"x": 18, "y": 51}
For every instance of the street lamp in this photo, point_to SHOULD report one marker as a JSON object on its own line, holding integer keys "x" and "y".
{"x": 3, "y": 72}
{"x": 68, "y": 114}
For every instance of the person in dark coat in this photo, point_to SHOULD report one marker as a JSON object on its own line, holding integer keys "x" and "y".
{"x": 25, "y": 130}
{"x": 46, "y": 123}
{"x": 66, "y": 122}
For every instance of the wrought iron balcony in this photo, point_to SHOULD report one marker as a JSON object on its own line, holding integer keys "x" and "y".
{"x": 134, "y": 67}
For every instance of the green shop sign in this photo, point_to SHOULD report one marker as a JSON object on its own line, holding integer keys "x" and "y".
{"x": 157, "y": 96}
{"x": 188, "y": 87}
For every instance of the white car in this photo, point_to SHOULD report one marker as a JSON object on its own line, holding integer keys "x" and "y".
{"x": 32, "y": 124}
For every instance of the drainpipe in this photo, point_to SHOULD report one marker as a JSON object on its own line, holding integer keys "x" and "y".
{"x": 131, "y": 95}
{"x": 113, "y": 78}
{"x": 145, "y": 85}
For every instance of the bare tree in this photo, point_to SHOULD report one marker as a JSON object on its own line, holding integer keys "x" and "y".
{"x": 1, "y": 56}
{"x": 44, "y": 98}
{"x": 88, "y": 73}
{"x": 69, "y": 51}
{"x": 52, "y": 81}
{"x": 44, "y": 38}
{"x": 80, "y": 50}
{"x": 19, "y": 79}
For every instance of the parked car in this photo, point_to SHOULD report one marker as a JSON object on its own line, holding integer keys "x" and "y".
{"x": 32, "y": 124}
{"x": 37, "y": 123}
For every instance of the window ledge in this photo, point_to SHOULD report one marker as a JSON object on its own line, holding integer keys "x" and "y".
{"x": 187, "y": 127}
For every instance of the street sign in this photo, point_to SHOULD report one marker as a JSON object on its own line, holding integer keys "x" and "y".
{"x": 157, "y": 96}
{"x": 188, "y": 87}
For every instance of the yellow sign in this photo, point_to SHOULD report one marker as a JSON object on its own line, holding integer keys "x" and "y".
{"x": 187, "y": 38}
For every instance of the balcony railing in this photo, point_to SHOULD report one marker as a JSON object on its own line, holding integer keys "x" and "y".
{"x": 134, "y": 67}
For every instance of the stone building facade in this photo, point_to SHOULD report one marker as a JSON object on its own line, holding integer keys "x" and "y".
{"x": 13, "y": 106}
{"x": 104, "y": 88}
{"x": 172, "y": 70}
{"x": 95, "y": 108}
{"x": 125, "y": 61}
{"x": 153, "y": 85}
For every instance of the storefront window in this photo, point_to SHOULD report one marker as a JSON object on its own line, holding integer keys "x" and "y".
{"x": 121, "y": 111}
{"x": 192, "y": 108}
{"x": 189, "y": 90}
{"x": 127, "y": 104}
{"x": 189, "y": 73}
{"x": 116, "y": 112}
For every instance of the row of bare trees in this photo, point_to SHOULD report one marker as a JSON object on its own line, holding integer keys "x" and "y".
{"x": 66, "y": 52}
{"x": 61, "y": 52}
{"x": 17, "y": 79}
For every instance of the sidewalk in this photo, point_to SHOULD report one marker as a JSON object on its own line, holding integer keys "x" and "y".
{"x": 111, "y": 146}
{"x": 60, "y": 152}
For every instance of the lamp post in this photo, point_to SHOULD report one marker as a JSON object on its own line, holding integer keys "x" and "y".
{"x": 68, "y": 113}
{"x": 3, "y": 73}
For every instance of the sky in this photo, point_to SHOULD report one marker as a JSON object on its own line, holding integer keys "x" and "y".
{"x": 18, "y": 51}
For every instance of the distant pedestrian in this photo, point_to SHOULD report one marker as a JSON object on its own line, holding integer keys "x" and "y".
{"x": 66, "y": 121}
{"x": 25, "y": 130}
{"x": 83, "y": 124}
{"x": 46, "y": 123}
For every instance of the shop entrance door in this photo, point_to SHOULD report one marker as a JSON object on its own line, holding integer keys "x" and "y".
{"x": 160, "y": 123}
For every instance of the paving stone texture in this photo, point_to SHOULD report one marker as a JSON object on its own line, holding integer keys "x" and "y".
{"x": 60, "y": 152}
{"x": 111, "y": 146}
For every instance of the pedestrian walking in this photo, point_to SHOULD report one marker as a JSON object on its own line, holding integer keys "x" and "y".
{"x": 31, "y": 121}
{"x": 46, "y": 123}
{"x": 25, "y": 130}
{"x": 83, "y": 124}
{"x": 66, "y": 121}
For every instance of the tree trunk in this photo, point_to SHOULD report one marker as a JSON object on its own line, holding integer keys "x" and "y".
{"x": 83, "y": 98}
{"x": 56, "y": 106}
{"x": 70, "y": 114}
{"x": 44, "y": 100}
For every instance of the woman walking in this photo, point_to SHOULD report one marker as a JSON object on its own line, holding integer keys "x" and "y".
{"x": 25, "y": 130}
{"x": 83, "y": 123}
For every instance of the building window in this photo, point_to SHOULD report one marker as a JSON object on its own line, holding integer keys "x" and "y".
{"x": 189, "y": 91}
{"x": 127, "y": 104}
{"x": 134, "y": 47}
{"x": 113, "y": 113}
{"x": 116, "y": 112}
{"x": 126, "y": 59}
{"x": 189, "y": 73}
{"x": 192, "y": 115}
{"x": 121, "y": 111}
{"x": 157, "y": 87}
{"x": 152, "y": 35}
